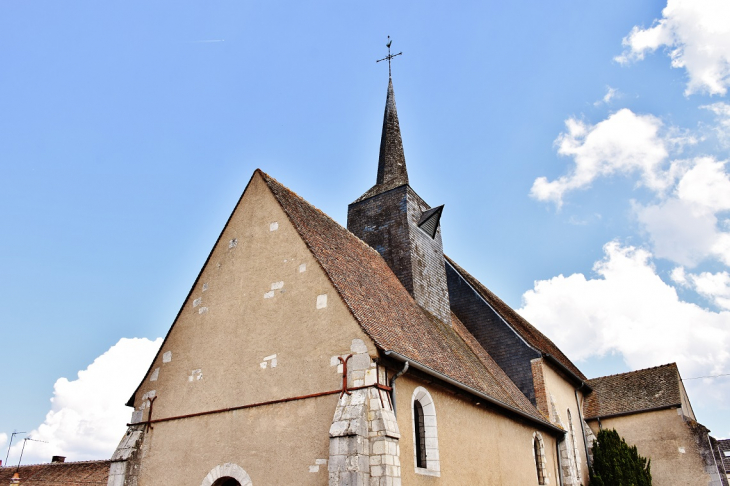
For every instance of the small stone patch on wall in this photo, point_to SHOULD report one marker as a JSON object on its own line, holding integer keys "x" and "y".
{"x": 273, "y": 226}
{"x": 321, "y": 301}
{"x": 167, "y": 357}
{"x": 195, "y": 375}
{"x": 269, "y": 361}
{"x": 317, "y": 463}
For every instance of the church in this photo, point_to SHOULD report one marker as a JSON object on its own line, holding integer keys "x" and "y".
{"x": 307, "y": 353}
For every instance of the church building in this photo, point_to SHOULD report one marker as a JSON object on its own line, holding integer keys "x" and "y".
{"x": 307, "y": 353}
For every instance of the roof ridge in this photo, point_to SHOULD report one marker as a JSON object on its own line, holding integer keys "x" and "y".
{"x": 383, "y": 308}
{"x": 90, "y": 461}
{"x": 530, "y": 334}
{"x": 267, "y": 177}
{"x": 674, "y": 364}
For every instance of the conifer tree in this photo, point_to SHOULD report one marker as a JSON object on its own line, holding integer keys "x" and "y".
{"x": 615, "y": 463}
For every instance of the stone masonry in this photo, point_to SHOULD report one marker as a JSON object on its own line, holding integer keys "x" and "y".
{"x": 364, "y": 436}
{"x": 125, "y": 464}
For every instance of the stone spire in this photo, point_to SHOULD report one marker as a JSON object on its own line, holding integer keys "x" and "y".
{"x": 392, "y": 161}
{"x": 398, "y": 224}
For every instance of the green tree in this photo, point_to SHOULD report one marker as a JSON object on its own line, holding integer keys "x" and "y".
{"x": 615, "y": 463}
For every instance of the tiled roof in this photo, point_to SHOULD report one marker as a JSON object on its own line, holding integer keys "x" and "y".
{"x": 388, "y": 313}
{"x": 86, "y": 473}
{"x": 527, "y": 331}
{"x": 636, "y": 391}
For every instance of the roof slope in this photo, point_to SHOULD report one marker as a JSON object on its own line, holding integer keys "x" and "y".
{"x": 723, "y": 447}
{"x": 86, "y": 473}
{"x": 636, "y": 391}
{"x": 527, "y": 331}
{"x": 388, "y": 313}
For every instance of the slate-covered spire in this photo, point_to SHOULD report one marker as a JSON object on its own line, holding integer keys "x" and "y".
{"x": 392, "y": 161}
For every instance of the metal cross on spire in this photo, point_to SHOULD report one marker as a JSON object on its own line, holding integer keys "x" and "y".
{"x": 389, "y": 56}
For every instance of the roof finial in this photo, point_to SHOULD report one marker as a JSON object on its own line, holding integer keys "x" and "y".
{"x": 389, "y": 56}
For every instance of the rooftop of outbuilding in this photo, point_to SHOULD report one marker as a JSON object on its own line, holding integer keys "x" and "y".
{"x": 83, "y": 473}
{"x": 636, "y": 391}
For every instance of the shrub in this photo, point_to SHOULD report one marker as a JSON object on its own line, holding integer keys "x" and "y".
{"x": 615, "y": 463}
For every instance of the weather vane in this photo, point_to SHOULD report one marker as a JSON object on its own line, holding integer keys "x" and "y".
{"x": 389, "y": 56}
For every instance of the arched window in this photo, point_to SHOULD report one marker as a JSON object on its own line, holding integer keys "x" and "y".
{"x": 226, "y": 482}
{"x": 425, "y": 437}
{"x": 420, "y": 429}
{"x": 538, "y": 449}
{"x": 574, "y": 444}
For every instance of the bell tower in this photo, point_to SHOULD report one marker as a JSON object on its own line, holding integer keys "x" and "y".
{"x": 395, "y": 221}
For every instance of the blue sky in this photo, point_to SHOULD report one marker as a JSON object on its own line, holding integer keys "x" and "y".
{"x": 128, "y": 131}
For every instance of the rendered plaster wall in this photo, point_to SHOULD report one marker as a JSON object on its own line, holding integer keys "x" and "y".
{"x": 665, "y": 438}
{"x": 477, "y": 446}
{"x": 275, "y": 444}
{"x": 559, "y": 398}
{"x": 262, "y": 323}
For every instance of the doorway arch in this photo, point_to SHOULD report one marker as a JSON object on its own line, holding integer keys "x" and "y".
{"x": 228, "y": 474}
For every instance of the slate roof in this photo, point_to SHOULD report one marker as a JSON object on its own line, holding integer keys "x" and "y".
{"x": 527, "y": 331}
{"x": 636, "y": 391}
{"x": 86, "y": 473}
{"x": 392, "y": 171}
{"x": 724, "y": 448}
{"x": 388, "y": 313}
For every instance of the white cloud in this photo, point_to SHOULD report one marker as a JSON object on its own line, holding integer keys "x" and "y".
{"x": 623, "y": 143}
{"x": 713, "y": 286}
{"x": 722, "y": 117}
{"x": 611, "y": 93}
{"x": 3, "y": 439}
{"x": 697, "y": 35}
{"x": 88, "y": 416}
{"x": 685, "y": 227}
{"x": 685, "y": 222}
{"x": 628, "y": 309}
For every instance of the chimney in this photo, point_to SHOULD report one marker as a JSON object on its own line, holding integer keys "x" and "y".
{"x": 58, "y": 459}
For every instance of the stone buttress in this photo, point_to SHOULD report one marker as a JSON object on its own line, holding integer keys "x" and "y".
{"x": 364, "y": 436}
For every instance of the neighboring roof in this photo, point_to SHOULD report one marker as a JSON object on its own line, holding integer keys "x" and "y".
{"x": 86, "y": 473}
{"x": 526, "y": 331}
{"x": 723, "y": 447}
{"x": 636, "y": 391}
{"x": 388, "y": 313}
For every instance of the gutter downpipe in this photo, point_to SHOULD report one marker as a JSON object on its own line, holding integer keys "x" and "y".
{"x": 392, "y": 386}
{"x": 466, "y": 388}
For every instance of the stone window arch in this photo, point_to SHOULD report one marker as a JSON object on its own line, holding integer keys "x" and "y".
{"x": 425, "y": 435}
{"x": 228, "y": 474}
{"x": 538, "y": 450}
